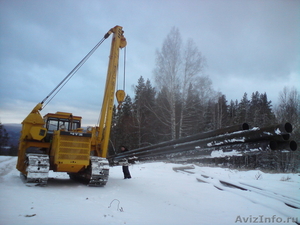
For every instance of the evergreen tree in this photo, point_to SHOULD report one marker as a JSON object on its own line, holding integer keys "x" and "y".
{"x": 260, "y": 110}
{"x": 3, "y": 137}
{"x": 191, "y": 113}
{"x": 221, "y": 112}
{"x": 123, "y": 128}
{"x": 207, "y": 97}
{"x": 162, "y": 112}
{"x": 254, "y": 109}
{"x": 243, "y": 110}
{"x": 143, "y": 115}
{"x": 232, "y": 112}
{"x": 209, "y": 116}
{"x": 151, "y": 121}
{"x": 267, "y": 117}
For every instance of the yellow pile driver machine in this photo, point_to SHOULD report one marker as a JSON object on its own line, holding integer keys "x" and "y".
{"x": 57, "y": 142}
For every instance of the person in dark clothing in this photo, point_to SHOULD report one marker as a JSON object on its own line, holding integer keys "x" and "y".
{"x": 125, "y": 167}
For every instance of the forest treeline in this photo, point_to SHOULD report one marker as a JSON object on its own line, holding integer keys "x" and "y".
{"x": 145, "y": 119}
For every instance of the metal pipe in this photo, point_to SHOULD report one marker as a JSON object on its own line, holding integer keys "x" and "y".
{"x": 287, "y": 145}
{"x": 274, "y": 137}
{"x": 194, "y": 137}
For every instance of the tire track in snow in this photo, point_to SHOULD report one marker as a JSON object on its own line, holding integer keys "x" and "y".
{"x": 7, "y": 164}
{"x": 5, "y": 158}
{"x": 244, "y": 190}
{"x": 289, "y": 201}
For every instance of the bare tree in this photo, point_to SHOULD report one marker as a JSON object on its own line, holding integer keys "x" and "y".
{"x": 193, "y": 64}
{"x": 176, "y": 68}
{"x": 168, "y": 62}
{"x": 288, "y": 108}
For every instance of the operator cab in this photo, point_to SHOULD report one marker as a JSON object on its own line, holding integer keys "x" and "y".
{"x": 62, "y": 121}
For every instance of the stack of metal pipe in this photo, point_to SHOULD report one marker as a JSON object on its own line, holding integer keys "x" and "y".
{"x": 239, "y": 138}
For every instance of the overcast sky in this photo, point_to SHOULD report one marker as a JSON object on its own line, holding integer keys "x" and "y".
{"x": 249, "y": 46}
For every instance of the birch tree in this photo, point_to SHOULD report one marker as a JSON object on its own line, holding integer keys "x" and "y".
{"x": 176, "y": 67}
{"x": 288, "y": 109}
{"x": 167, "y": 77}
{"x": 193, "y": 64}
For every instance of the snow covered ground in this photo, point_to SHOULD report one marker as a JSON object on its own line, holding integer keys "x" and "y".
{"x": 155, "y": 195}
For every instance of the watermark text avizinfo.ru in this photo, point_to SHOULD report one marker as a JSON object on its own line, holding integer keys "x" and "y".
{"x": 264, "y": 219}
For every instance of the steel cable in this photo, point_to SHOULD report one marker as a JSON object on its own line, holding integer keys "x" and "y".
{"x": 71, "y": 74}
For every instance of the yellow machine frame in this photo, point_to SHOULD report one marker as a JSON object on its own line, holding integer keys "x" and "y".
{"x": 69, "y": 151}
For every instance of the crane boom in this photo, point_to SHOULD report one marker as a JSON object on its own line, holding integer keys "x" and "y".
{"x": 102, "y": 139}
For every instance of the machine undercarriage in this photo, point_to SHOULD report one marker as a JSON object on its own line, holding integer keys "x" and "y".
{"x": 95, "y": 175}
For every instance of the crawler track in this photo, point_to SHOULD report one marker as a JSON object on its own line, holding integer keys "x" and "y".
{"x": 37, "y": 169}
{"x": 99, "y": 173}
{"x": 96, "y": 175}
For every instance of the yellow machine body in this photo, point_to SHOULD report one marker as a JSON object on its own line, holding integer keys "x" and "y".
{"x": 70, "y": 152}
{"x": 70, "y": 148}
{"x": 60, "y": 136}
{"x": 32, "y": 134}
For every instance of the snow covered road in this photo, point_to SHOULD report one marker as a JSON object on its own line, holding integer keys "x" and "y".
{"x": 155, "y": 195}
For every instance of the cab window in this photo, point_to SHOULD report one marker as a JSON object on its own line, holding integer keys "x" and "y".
{"x": 58, "y": 123}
